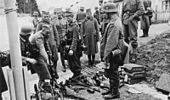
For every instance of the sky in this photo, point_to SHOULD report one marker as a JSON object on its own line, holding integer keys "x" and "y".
{"x": 51, "y": 4}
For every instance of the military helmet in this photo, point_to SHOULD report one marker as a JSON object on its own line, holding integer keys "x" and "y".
{"x": 68, "y": 12}
{"x": 110, "y": 7}
{"x": 26, "y": 29}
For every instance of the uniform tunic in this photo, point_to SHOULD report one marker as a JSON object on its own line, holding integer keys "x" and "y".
{"x": 40, "y": 67}
{"x": 110, "y": 42}
{"x": 90, "y": 33}
{"x": 72, "y": 40}
{"x": 131, "y": 11}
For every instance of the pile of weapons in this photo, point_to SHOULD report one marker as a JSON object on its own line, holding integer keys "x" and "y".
{"x": 129, "y": 74}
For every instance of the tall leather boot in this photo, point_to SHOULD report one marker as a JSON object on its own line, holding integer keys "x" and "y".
{"x": 114, "y": 90}
{"x": 89, "y": 60}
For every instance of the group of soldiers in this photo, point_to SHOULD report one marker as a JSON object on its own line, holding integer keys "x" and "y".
{"x": 70, "y": 36}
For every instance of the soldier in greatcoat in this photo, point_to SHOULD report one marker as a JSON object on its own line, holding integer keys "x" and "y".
{"x": 90, "y": 33}
{"x": 146, "y": 18}
{"x": 114, "y": 49}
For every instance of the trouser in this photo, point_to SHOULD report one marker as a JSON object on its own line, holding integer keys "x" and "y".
{"x": 74, "y": 64}
{"x": 41, "y": 68}
{"x": 130, "y": 31}
{"x": 145, "y": 31}
{"x": 62, "y": 57}
{"x": 91, "y": 59}
{"x": 112, "y": 73}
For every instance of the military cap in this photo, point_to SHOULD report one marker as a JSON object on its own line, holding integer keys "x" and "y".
{"x": 88, "y": 10}
{"x": 35, "y": 13}
{"x": 26, "y": 29}
{"x": 68, "y": 12}
{"x": 110, "y": 7}
{"x": 82, "y": 8}
{"x": 57, "y": 10}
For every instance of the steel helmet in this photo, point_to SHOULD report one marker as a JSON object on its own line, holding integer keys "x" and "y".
{"x": 110, "y": 7}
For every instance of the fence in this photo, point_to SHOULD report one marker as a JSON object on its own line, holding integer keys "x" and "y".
{"x": 161, "y": 17}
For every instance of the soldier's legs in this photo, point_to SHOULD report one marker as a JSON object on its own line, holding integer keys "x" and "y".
{"x": 126, "y": 33}
{"x": 133, "y": 26}
{"x": 89, "y": 59}
{"x": 62, "y": 58}
{"x": 113, "y": 75}
{"x": 93, "y": 59}
{"x": 74, "y": 64}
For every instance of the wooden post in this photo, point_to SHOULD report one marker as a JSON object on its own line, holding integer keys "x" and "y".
{"x": 15, "y": 53}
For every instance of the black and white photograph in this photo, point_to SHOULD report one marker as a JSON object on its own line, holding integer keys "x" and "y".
{"x": 84, "y": 49}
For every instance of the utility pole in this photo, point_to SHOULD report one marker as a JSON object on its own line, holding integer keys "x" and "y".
{"x": 15, "y": 53}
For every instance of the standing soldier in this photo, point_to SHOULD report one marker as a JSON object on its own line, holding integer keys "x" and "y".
{"x": 131, "y": 11}
{"x": 146, "y": 18}
{"x": 113, "y": 47}
{"x": 35, "y": 21}
{"x": 97, "y": 14}
{"x": 37, "y": 41}
{"x": 72, "y": 38}
{"x": 81, "y": 15}
{"x": 61, "y": 25}
{"x": 90, "y": 33}
{"x": 52, "y": 42}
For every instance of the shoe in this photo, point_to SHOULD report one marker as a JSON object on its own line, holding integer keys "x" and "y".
{"x": 112, "y": 96}
{"x": 106, "y": 92}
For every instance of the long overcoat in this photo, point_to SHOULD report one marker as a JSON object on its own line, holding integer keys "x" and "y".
{"x": 145, "y": 21}
{"x": 90, "y": 32}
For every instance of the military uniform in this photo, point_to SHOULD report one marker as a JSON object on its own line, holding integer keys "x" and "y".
{"x": 146, "y": 17}
{"x": 90, "y": 33}
{"x": 131, "y": 11}
{"x": 112, "y": 42}
{"x": 52, "y": 43}
{"x": 61, "y": 28}
{"x": 80, "y": 16}
{"x": 41, "y": 67}
{"x": 72, "y": 40}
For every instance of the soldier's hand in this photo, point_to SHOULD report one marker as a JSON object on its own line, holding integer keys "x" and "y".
{"x": 71, "y": 52}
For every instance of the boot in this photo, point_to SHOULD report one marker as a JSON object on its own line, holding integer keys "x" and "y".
{"x": 114, "y": 90}
{"x": 93, "y": 57}
{"x": 89, "y": 60}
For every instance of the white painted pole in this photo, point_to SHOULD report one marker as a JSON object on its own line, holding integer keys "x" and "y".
{"x": 15, "y": 53}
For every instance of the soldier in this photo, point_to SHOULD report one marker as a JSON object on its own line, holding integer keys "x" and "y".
{"x": 35, "y": 21}
{"x": 72, "y": 38}
{"x": 146, "y": 18}
{"x": 40, "y": 55}
{"x": 131, "y": 11}
{"x": 97, "y": 14}
{"x": 113, "y": 49}
{"x": 52, "y": 43}
{"x": 61, "y": 25}
{"x": 90, "y": 33}
{"x": 81, "y": 15}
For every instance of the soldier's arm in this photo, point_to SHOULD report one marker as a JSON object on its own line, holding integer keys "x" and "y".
{"x": 75, "y": 38}
{"x": 140, "y": 8}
